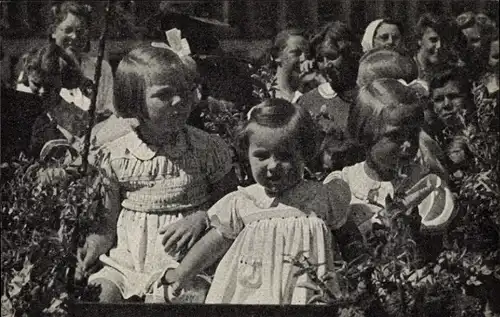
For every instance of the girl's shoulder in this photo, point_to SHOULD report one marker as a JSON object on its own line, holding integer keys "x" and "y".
{"x": 111, "y": 132}
{"x": 349, "y": 174}
{"x": 201, "y": 140}
{"x": 88, "y": 66}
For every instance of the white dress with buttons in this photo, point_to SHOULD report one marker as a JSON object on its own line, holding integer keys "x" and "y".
{"x": 158, "y": 186}
{"x": 268, "y": 232}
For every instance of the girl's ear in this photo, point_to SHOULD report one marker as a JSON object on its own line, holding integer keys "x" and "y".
{"x": 419, "y": 42}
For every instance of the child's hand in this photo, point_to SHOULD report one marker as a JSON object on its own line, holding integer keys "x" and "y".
{"x": 184, "y": 233}
{"x": 88, "y": 254}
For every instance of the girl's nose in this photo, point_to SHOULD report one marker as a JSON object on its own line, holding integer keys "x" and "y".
{"x": 438, "y": 45}
{"x": 272, "y": 165}
{"x": 447, "y": 103}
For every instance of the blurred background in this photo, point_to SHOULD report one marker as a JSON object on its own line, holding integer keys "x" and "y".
{"x": 243, "y": 27}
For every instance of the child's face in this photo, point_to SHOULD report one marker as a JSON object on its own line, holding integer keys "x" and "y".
{"x": 473, "y": 35}
{"x": 293, "y": 53}
{"x": 71, "y": 34}
{"x": 448, "y": 102}
{"x": 431, "y": 46}
{"x": 43, "y": 84}
{"x": 396, "y": 148}
{"x": 387, "y": 35}
{"x": 168, "y": 107}
{"x": 276, "y": 164}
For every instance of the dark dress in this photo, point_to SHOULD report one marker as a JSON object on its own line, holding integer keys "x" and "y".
{"x": 331, "y": 112}
{"x": 19, "y": 111}
{"x": 61, "y": 117}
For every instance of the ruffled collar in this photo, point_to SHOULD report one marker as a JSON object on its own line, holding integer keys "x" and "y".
{"x": 256, "y": 193}
{"x": 326, "y": 91}
{"x": 363, "y": 187}
{"x": 143, "y": 151}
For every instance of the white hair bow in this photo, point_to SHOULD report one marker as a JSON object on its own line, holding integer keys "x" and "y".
{"x": 177, "y": 45}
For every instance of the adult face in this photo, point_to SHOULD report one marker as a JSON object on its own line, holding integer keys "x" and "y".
{"x": 430, "y": 46}
{"x": 71, "y": 34}
{"x": 449, "y": 101}
{"x": 473, "y": 35}
{"x": 387, "y": 35}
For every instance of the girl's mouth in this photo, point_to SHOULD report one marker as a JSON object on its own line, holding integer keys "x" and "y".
{"x": 447, "y": 115}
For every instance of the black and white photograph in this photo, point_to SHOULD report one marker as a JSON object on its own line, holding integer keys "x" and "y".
{"x": 250, "y": 158}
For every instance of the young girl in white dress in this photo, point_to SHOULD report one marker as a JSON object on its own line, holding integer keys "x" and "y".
{"x": 387, "y": 121}
{"x": 163, "y": 176}
{"x": 259, "y": 228}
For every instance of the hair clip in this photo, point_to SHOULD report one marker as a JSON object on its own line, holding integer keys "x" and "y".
{"x": 176, "y": 43}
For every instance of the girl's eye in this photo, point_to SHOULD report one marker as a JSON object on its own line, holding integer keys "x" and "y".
{"x": 261, "y": 155}
{"x": 284, "y": 156}
{"x": 384, "y": 37}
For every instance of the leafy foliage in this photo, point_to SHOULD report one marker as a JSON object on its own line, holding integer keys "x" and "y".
{"x": 398, "y": 277}
{"x": 47, "y": 211}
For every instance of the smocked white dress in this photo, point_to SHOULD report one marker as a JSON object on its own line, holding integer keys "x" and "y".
{"x": 268, "y": 232}
{"x": 158, "y": 186}
{"x": 369, "y": 196}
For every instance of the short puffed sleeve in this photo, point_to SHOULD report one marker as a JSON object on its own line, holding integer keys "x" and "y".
{"x": 332, "y": 176}
{"x": 219, "y": 159}
{"x": 224, "y": 216}
{"x": 339, "y": 197}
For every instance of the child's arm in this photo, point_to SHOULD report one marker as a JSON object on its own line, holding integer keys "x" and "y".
{"x": 221, "y": 180}
{"x": 203, "y": 254}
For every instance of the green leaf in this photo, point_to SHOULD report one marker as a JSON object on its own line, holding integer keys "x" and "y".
{"x": 20, "y": 278}
{"x": 7, "y": 308}
{"x": 316, "y": 299}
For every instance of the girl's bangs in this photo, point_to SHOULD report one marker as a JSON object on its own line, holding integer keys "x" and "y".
{"x": 166, "y": 75}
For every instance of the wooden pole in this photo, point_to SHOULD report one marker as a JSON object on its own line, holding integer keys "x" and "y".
{"x": 447, "y": 8}
{"x": 225, "y": 10}
{"x": 252, "y": 18}
{"x": 93, "y": 99}
{"x": 312, "y": 6}
{"x": 346, "y": 6}
{"x": 379, "y": 9}
{"x": 412, "y": 12}
{"x": 282, "y": 14}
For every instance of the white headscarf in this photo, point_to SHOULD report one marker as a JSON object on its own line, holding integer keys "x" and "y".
{"x": 367, "y": 41}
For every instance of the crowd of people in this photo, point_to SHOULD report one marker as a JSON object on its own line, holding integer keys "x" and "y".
{"x": 343, "y": 131}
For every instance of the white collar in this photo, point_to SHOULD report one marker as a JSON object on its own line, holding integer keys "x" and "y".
{"x": 326, "y": 91}
{"x": 76, "y": 97}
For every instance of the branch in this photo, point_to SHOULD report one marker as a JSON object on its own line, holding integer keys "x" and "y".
{"x": 93, "y": 100}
